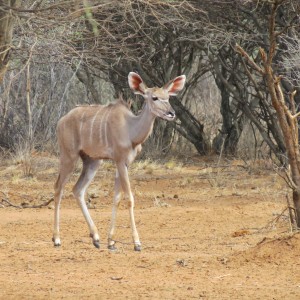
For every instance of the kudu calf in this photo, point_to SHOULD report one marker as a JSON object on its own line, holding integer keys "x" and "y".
{"x": 109, "y": 132}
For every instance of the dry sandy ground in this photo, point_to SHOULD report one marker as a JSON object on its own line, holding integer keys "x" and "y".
{"x": 208, "y": 232}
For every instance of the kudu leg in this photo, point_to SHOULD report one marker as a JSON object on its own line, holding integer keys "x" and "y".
{"x": 66, "y": 168}
{"x": 124, "y": 180}
{"x": 89, "y": 170}
{"x": 117, "y": 198}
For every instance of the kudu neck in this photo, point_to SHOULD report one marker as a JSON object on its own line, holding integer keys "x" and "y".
{"x": 142, "y": 125}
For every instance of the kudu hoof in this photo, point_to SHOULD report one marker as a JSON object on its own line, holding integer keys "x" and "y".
{"x": 96, "y": 244}
{"x": 96, "y": 241}
{"x": 57, "y": 243}
{"x": 112, "y": 248}
{"x": 138, "y": 248}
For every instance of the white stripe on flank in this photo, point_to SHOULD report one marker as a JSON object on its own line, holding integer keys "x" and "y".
{"x": 81, "y": 123}
{"x": 92, "y": 124}
{"x": 102, "y": 119}
{"x": 105, "y": 127}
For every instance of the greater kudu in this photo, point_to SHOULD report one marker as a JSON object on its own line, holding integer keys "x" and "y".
{"x": 109, "y": 132}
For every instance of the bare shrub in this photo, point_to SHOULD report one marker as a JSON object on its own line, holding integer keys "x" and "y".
{"x": 22, "y": 156}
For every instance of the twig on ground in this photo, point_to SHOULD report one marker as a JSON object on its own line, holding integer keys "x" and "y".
{"x": 275, "y": 220}
{"x": 9, "y": 203}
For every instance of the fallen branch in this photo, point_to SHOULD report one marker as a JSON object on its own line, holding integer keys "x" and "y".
{"x": 9, "y": 203}
{"x": 46, "y": 203}
{"x": 271, "y": 223}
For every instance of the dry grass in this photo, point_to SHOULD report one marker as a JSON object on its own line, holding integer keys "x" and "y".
{"x": 22, "y": 156}
{"x": 147, "y": 166}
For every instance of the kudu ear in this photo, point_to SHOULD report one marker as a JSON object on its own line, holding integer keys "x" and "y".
{"x": 136, "y": 83}
{"x": 175, "y": 86}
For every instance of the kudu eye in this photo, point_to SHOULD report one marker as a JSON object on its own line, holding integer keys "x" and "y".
{"x": 154, "y": 98}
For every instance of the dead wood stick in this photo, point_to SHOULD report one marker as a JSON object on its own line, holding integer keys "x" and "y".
{"x": 274, "y": 220}
{"x": 11, "y": 204}
{"x": 5, "y": 200}
{"x": 45, "y": 203}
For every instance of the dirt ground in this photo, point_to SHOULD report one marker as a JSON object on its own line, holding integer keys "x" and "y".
{"x": 209, "y": 230}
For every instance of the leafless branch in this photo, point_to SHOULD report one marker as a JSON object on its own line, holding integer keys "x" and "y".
{"x": 6, "y": 202}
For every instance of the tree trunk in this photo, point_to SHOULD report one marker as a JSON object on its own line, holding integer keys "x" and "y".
{"x": 189, "y": 127}
{"x": 167, "y": 137}
{"x": 232, "y": 126}
{"x": 287, "y": 116}
{"x": 7, "y": 20}
{"x": 28, "y": 107}
{"x": 83, "y": 74}
{"x": 296, "y": 201}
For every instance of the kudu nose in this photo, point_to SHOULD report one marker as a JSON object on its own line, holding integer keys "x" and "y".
{"x": 171, "y": 114}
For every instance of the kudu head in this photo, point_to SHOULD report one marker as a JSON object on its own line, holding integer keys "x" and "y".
{"x": 157, "y": 98}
